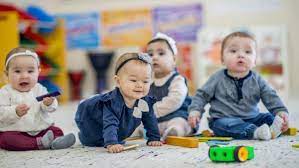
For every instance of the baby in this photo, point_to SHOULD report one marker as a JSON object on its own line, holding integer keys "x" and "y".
{"x": 235, "y": 92}
{"x": 24, "y": 122}
{"x": 108, "y": 119}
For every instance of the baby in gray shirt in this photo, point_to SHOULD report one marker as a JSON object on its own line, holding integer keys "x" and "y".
{"x": 234, "y": 94}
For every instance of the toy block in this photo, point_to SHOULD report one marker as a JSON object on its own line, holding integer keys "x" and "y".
{"x": 231, "y": 153}
{"x": 52, "y": 94}
{"x": 131, "y": 147}
{"x": 188, "y": 142}
{"x": 207, "y": 133}
{"x": 291, "y": 132}
{"x": 295, "y": 145}
{"x": 205, "y": 139}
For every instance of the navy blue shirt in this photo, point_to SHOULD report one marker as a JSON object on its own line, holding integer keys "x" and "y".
{"x": 106, "y": 120}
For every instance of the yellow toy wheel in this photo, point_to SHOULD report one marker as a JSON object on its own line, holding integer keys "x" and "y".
{"x": 241, "y": 153}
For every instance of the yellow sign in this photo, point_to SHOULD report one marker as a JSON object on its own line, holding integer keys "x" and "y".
{"x": 126, "y": 27}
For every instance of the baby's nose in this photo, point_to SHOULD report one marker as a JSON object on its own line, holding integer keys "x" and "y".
{"x": 24, "y": 75}
{"x": 241, "y": 55}
{"x": 139, "y": 84}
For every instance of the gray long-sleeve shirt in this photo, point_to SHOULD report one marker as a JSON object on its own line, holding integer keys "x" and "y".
{"x": 230, "y": 97}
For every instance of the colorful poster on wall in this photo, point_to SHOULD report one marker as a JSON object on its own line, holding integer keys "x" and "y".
{"x": 126, "y": 27}
{"x": 82, "y": 30}
{"x": 180, "y": 22}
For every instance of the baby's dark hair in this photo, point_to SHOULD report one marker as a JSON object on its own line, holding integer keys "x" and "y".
{"x": 123, "y": 59}
{"x": 14, "y": 51}
{"x": 235, "y": 34}
{"x": 163, "y": 40}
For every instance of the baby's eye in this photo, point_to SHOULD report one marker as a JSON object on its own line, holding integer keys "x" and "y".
{"x": 150, "y": 54}
{"x": 17, "y": 71}
{"x": 161, "y": 53}
{"x": 145, "y": 82}
{"x": 30, "y": 71}
{"x": 133, "y": 80}
{"x": 248, "y": 52}
{"x": 233, "y": 51}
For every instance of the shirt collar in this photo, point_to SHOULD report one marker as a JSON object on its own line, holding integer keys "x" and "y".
{"x": 234, "y": 78}
{"x": 162, "y": 81}
{"x": 118, "y": 100}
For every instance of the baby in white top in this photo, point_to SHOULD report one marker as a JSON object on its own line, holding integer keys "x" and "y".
{"x": 24, "y": 122}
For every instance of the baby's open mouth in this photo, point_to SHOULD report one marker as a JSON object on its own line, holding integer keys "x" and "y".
{"x": 240, "y": 62}
{"x": 24, "y": 84}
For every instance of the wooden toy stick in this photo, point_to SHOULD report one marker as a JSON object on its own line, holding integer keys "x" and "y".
{"x": 204, "y": 139}
{"x": 133, "y": 138}
{"x": 131, "y": 147}
{"x": 188, "y": 142}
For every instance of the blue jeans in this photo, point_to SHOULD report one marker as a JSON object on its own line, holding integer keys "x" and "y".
{"x": 240, "y": 128}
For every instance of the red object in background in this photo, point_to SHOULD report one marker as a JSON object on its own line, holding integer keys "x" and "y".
{"x": 42, "y": 45}
{"x": 184, "y": 60}
{"x": 23, "y": 15}
{"x": 76, "y": 78}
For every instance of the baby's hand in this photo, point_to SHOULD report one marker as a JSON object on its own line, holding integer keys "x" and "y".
{"x": 48, "y": 101}
{"x": 155, "y": 143}
{"x": 194, "y": 118}
{"x": 22, "y": 109}
{"x": 115, "y": 148}
{"x": 285, "y": 117}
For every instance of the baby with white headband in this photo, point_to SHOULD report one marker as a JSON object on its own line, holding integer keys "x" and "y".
{"x": 169, "y": 88}
{"x": 24, "y": 122}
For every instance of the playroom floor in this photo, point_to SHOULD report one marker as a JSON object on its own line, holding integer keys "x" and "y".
{"x": 274, "y": 153}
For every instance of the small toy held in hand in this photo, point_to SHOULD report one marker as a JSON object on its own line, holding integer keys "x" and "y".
{"x": 52, "y": 94}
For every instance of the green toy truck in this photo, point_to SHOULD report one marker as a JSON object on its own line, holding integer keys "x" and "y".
{"x": 231, "y": 153}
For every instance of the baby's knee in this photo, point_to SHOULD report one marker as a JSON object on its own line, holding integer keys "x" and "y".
{"x": 57, "y": 131}
{"x": 177, "y": 131}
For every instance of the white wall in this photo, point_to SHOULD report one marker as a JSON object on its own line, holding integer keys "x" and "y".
{"x": 217, "y": 13}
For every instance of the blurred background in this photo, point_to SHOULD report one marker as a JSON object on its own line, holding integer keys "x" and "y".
{"x": 79, "y": 40}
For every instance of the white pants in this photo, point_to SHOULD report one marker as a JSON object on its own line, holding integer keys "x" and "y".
{"x": 177, "y": 127}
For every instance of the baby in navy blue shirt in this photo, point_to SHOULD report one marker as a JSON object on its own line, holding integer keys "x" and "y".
{"x": 107, "y": 119}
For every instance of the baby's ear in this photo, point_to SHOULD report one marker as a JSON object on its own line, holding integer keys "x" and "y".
{"x": 116, "y": 80}
{"x": 175, "y": 59}
{"x": 5, "y": 72}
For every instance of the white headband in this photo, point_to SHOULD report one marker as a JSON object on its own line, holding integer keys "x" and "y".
{"x": 170, "y": 41}
{"x": 27, "y": 52}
